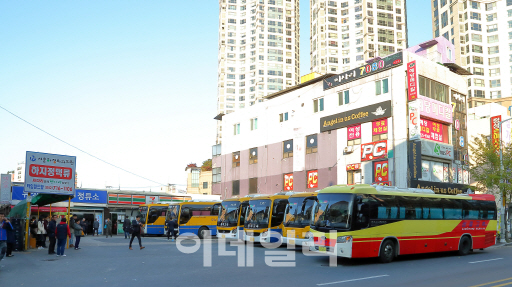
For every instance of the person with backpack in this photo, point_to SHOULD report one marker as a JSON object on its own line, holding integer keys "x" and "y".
{"x": 137, "y": 227}
{"x": 171, "y": 224}
{"x": 62, "y": 232}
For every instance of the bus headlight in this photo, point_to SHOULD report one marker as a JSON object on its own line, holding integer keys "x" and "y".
{"x": 308, "y": 235}
{"x": 233, "y": 231}
{"x": 264, "y": 234}
{"x": 344, "y": 239}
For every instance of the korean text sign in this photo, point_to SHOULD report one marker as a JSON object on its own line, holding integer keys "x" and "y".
{"x": 354, "y": 132}
{"x": 380, "y": 127}
{"x": 412, "y": 81}
{"x": 50, "y": 173}
{"x": 90, "y": 196}
{"x": 495, "y": 132}
{"x": 432, "y": 131}
{"x": 436, "y": 110}
{"x": 288, "y": 181}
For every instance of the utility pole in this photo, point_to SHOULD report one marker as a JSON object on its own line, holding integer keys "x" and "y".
{"x": 503, "y": 225}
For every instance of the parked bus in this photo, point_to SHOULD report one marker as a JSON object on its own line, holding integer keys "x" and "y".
{"x": 264, "y": 217}
{"x": 196, "y": 217}
{"x": 153, "y": 218}
{"x": 232, "y": 217}
{"x": 298, "y": 217}
{"x": 377, "y": 221}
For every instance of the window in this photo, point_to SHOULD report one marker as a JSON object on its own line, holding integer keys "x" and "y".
{"x": 492, "y": 28}
{"x": 444, "y": 19}
{"x": 155, "y": 212}
{"x": 493, "y": 39}
{"x": 475, "y": 5}
{"x": 491, "y": 17}
{"x": 236, "y": 187}
{"x": 236, "y": 159}
{"x": 288, "y": 149}
{"x": 494, "y": 61}
{"x": 236, "y": 129}
{"x": 380, "y": 137}
{"x": 478, "y": 71}
{"x": 205, "y": 184}
{"x": 433, "y": 90}
{"x": 354, "y": 176}
{"x": 311, "y": 144}
{"x": 343, "y": 97}
{"x": 490, "y": 6}
{"x": 283, "y": 117}
{"x": 476, "y": 38}
{"x": 477, "y": 49}
{"x": 478, "y": 60}
{"x": 476, "y": 27}
{"x": 253, "y": 185}
{"x": 494, "y": 72}
{"x": 479, "y": 82}
{"x": 495, "y": 83}
{"x": 381, "y": 87}
{"x": 216, "y": 175}
{"x": 479, "y": 94}
{"x": 254, "y": 124}
{"x": 494, "y": 50}
{"x": 318, "y": 105}
{"x": 194, "y": 178}
{"x": 253, "y": 155}
{"x": 495, "y": 94}
{"x": 474, "y": 16}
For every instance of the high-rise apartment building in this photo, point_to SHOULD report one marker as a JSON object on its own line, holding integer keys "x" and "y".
{"x": 346, "y": 33}
{"x": 481, "y": 31}
{"x": 258, "y": 52}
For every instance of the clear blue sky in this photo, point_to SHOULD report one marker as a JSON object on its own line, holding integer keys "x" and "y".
{"x": 131, "y": 82}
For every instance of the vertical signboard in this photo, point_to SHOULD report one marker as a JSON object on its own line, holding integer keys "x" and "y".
{"x": 50, "y": 173}
{"x": 5, "y": 189}
{"x": 288, "y": 182}
{"x": 415, "y": 159}
{"x": 380, "y": 171}
{"x": 354, "y": 132}
{"x": 495, "y": 132}
{"x": 312, "y": 179}
{"x": 414, "y": 120}
{"x": 380, "y": 127}
{"x": 412, "y": 81}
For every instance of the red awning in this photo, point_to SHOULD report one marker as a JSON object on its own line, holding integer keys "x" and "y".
{"x": 47, "y": 209}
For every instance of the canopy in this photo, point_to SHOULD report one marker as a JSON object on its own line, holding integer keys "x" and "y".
{"x": 20, "y": 210}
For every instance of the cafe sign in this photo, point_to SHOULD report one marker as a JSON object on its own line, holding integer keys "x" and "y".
{"x": 356, "y": 116}
{"x": 436, "y": 149}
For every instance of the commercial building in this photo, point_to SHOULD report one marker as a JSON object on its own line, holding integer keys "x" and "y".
{"x": 371, "y": 124}
{"x": 258, "y": 52}
{"x": 344, "y": 34}
{"x": 198, "y": 181}
{"x": 480, "y": 32}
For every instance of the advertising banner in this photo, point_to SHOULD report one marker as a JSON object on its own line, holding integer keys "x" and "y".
{"x": 312, "y": 179}
{"x": 415, "y": 159}
{"x": 5, "y": 189}
{"x": 354, "y": 132}
{"x": 439, "y": 187}
{"x": 435, "y": 149}
{"x": 356, "y": 116}
{"x": 435, "y": 110}
{"x": 433, "y": 131}
{"x": 374, "y": 150}
{"x": 380, "y": 127}
{"x": 414, "y": 120}
{"x": 495, "y": 132}
{"x": 288, "y": 182}
{"x": 354, "y": 166}
{"x": 412, "y": 81}
{"x": 380, "y": 171}
{"x": 50, "y": 173}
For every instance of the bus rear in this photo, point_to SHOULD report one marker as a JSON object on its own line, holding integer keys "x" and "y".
{"x": 230, "y": 224}
{"x": 153, "y": 218}
{"x": 196, "y": 217}
{"x": 264, "y": 219}
{"x": 298, "y": 217}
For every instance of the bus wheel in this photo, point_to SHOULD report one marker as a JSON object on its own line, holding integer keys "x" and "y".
{"x": 202, "y": 232}
{"x": 464, "y": 246}
{"x": 387, "y": 251}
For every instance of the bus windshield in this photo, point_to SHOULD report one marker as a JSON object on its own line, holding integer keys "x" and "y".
{"x": 143, "y": 213}
{"x": 228, "y": 217}
{"x": 173, "y": 212}
{"x": 332, "y": 211}
{"x": 258, "y": 213}
{"x": 298, "y": 212}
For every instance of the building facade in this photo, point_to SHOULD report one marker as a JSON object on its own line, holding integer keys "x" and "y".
{"x": 198, "y": 181}
{"x": 344, "y": 34}
{"x": 481, "y": 33}
{"x": 354, "y": 127}
{"x": 258, "y": 52}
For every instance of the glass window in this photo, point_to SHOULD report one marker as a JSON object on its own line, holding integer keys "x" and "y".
{"x": 236, "y": 158}
{"x": 236, "y": 187}
{"x": 253, "y": 155}
{"x": 311, "y": 144}
{"x": 288, "y": 149}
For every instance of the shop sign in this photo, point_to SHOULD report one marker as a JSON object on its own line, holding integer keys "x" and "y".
{"x": 435, "y": 149}
{"x": 432, "y": 131}
{"x": 380, "y": 171}
{"x": 495, "y": 132}
{"x": 356, "y": 116}
{"x": 414, "y": 120}
{"x": 124, "y": 199}
{"x": 152, "y": 199}
{"x": 90, "y": 196}
{"x": 112, "y": 198}
{"x": 353, "y": 166}
{"x": 374, "y": 150}
{"x": 412, "y": 81}
{"x": 50, "y": 173}
{"x": 364, "y": 71}
{"x": 138, "y": 199}
{"x": 354, "y": 132}
{"x": 312, "y": 179}
{"x": 288, "y": 181}
{"x": 435, "y": 110}
{"x": 415, "y": 159}
{"x": 380, "y": 127}
{"x": 439, "y": 187}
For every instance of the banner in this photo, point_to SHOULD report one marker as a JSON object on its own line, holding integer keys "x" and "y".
{"x": 380, "y": 171}
{"x": 435, "y": 149}
{"x": 412, "y": 81}
{"x": 5, "y": 189}
{"x": 374, "y": 150}
{"x": 354, "y": 132}
{"x": 50, "y": 173}
{"x": 414, "y": 121}
{"x": 312, "y": 179}
{"x": 495, "y": 132}
{"x": 354, "y": 166}
{"x": 380, "y": 127}
{"x": 288, "y": 182}
{"x": 433, "y": 131}
{"x": 415, "y": 159}
{"x": 436, "y": 110}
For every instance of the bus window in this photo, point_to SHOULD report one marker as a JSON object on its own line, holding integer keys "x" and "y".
{"x": 216, "y": 208}
{"x": 452, "y": 208}
{"x": 387, "y": 207}
{"x": 362, "y": 213}
{"x": 155, "y": 212}
{"x": 244, "y": 206}
{"x": 471, "y": 209}
{"x": 408, "y": 208}
{"x": 185, "y": 215}
{"x": 489, "y": 210}
{"x": 278, "y": 212}
{"x": 432, "y": 208}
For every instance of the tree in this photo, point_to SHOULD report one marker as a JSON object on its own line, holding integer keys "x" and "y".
{"x": 485, "y": 167}
{"x": 207, "y": 165}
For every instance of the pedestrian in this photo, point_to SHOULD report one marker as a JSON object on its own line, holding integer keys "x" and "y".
{"x": 4, "y": 226}
{"x": 45, "y": 221}
{"x": 96, "y": 226}
{"x": 83, "y": 224}
{"x": 137, "y": 227}
{"x": 10, "y": 239}
{"x": 171, "y": 224}
{"x": 33, "y": 228}
{"x": 71, "y": 226}
{"x": 52, "y": 226}
{"x": 126, "y": 226}
{"x": 78, "y": 233}
{"x": 108, "y": 228}
{"x": 62, "y": 232}
{"x": 40, "y": 233}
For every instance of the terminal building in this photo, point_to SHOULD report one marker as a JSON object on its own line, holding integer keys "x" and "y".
{"x": 398, "y": 120}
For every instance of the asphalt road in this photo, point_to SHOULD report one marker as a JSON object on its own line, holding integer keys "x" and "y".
{"x": 109, "y": 262}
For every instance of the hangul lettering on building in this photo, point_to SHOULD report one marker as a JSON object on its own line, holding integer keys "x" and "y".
{"x": 51, "y": 171}
{"x": 95, "y": 197}
{"x": 88, "y": 196}
{"x": 81, "y": 195}
{"x": 66, "y": 173}
{"x": 42, "y": 170}
{"x": 58, "y": 172}
{"x": 34, "y": 170}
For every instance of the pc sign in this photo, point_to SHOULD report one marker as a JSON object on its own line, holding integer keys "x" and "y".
{"x": 50, "y": 173}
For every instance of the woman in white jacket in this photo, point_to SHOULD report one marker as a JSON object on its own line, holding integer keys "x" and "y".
{"x": 40, "y": 233}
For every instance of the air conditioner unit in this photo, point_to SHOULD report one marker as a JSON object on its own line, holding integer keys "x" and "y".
{"x": 348, "y": 149}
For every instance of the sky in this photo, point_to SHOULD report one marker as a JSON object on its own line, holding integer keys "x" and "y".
{"x": 132, "y": 83}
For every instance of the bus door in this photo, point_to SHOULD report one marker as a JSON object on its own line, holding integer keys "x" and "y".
{"x": 278, "y": 210}
{"x": 242, "y": 209}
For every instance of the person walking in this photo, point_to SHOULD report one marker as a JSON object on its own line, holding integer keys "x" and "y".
{"x": 126, "y": 226}
{"x": 137, "y": 227}
{"x": 5, "y": 225}
{"x": 52, "y": 226}
{"x": 40, "y": 233}
{"x": 108, "y": 228}
{"x": 45, "y": 222}
{"x": 71, "y": 226}
{"x": 10, "y": 239}
{"x": 83, "y": 224}
{"x": 62, "y": 232}
{"x": 96, "y": 226}
{"x": 78, "y": 233}
{"x": 171, "y": 225}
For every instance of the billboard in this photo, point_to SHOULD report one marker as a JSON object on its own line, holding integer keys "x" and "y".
{"x": 433, "y": 131}
{"x": 50, "y": 173}
{"x": 380, "y": 171}
{"x": 415, "y": 159}
{"x": 356, "y": 116}
{"x": 374, "y": 150}
{"x": 412, "y": 81}
{"x": 354, "y": 132}
{"x": 380, "y": 127}
{"x": 435, "y": 149}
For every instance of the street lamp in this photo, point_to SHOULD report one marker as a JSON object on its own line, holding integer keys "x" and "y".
{"x": 502, "y": 215}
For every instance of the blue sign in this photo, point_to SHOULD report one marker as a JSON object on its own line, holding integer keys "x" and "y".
{"x": 461, "y": 141}
{"x": 81, "y": 195}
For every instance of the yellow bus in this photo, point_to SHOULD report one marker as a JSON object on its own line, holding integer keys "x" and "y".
{"x": 153, "y": 218}
{"x": 377, "y": 221}
{"x": 298, "y": 217}
{"x": 231, "y": 220}
{"x": 195, "y": 217}
{"x": 264, "y": 217}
